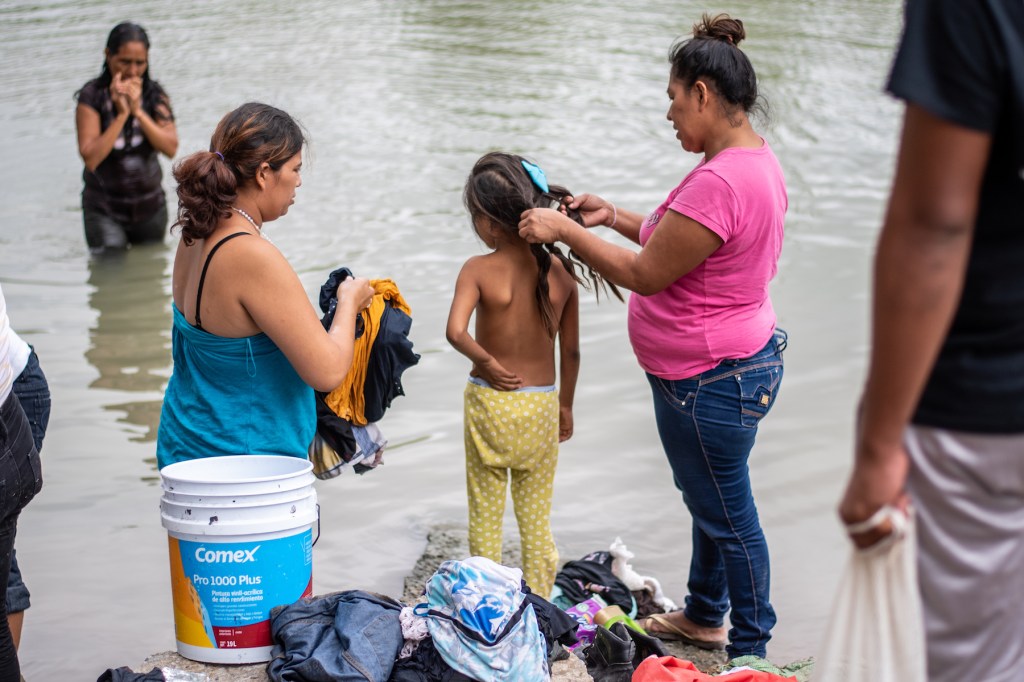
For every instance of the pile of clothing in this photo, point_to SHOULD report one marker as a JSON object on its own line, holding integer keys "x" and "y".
{"x": 602, "y": 582}
{"x": 477, "y": 621}
{"x": 606, "y": 596}
{"x": 347, "y": 434}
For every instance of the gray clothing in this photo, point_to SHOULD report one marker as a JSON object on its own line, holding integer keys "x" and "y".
{"x": 968, "y": 492}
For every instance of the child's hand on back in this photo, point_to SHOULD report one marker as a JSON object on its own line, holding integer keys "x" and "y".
{"x": 497, "y": 376}
{"x": 564, "y": 424}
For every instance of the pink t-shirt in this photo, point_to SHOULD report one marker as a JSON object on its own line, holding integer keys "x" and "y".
{"x": 721, "y": 309}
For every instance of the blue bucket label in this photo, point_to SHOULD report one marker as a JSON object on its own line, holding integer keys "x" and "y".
{"x": 225, "y": 590}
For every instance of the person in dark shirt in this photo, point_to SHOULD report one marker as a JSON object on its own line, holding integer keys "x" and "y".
{"x": 123, "y": 119}
{"x": 941, "y": 424}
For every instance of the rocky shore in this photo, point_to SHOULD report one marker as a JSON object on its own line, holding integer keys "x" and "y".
{"x": 443, "y": 543}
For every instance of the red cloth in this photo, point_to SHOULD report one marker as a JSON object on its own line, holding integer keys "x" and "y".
{"x": 671, "y": 669}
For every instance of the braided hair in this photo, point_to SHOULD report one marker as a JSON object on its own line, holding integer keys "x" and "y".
{"x": 500, "y": 189}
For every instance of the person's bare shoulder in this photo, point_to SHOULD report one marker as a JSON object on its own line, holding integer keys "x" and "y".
{"x": 483, "y": 269}
{"x": 255, "y": 247}
{"x": 561, "y": 276}
{"x": 476, "y": 262}
{"x": 254, "y": 262}
{"x": 473, "y": 268}
{"x": 558, "y": 270}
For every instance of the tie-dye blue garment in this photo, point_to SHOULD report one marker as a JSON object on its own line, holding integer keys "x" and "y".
{"x": 481, "y": 623}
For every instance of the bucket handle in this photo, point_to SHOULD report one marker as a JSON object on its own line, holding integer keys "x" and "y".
{"x": 317, "y": 524}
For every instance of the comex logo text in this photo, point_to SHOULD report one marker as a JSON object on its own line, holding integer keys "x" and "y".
{"x": 239, "y": 556}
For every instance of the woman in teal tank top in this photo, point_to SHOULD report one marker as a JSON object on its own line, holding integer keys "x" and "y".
{"x": 248, "y": 347}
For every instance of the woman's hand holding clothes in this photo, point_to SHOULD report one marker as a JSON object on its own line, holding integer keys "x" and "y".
{"x": 355, "y": 293}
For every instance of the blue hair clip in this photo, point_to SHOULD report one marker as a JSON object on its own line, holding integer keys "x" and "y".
{"x": 536, "y": 174}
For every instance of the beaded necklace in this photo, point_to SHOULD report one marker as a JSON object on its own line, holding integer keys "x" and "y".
{"x": 252, "y": 222}
{"x": 247, "y": 217}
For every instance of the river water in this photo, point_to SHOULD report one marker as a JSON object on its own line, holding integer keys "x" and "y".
{"x": 400, "y": 97}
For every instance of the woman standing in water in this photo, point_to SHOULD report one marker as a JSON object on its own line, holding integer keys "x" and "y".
{"x": 248, "y": 346}
{"x": 123, "y": 119}
{"x": 702, "y": 325}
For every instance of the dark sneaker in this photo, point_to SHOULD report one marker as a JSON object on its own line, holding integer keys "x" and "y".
{"x": 645, "y": 644}
{"x": 610, "y": 657}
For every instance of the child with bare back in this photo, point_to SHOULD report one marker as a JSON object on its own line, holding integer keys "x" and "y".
{"x": 524, "y": 297}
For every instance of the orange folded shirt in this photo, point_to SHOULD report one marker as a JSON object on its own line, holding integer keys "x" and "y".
{"x": 347, "y": 400}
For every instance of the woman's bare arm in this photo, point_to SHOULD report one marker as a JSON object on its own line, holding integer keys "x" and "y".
{"x": 273, "y": 297}
{"x": 93, "y": 145}
{"x": 678, "y": 246}
{"x": 598, "y": 211}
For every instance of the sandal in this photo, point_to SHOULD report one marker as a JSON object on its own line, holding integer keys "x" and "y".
{"x": 671, "y": 633}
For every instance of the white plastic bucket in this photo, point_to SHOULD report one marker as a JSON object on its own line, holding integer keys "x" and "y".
{"x": 240, "y": 535}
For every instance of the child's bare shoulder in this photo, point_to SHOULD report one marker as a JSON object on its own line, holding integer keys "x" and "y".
{"x": 474, "y": 264}
{"x": 559, "y": 270}
{"x": 478, "y": 271}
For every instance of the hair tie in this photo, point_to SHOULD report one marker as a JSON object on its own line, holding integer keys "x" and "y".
{"x": 536, "y": 175}
{"x": 220, "y": 155}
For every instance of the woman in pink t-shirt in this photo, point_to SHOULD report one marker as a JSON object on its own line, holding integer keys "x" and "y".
{"x": 702, "y": 325}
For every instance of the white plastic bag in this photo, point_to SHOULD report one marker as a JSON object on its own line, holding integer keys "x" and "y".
{"x": 876, "y": 631}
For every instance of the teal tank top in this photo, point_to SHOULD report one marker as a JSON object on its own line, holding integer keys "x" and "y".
{"x": 231, "y": 397}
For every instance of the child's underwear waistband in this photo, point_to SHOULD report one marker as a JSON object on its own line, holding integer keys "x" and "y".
{"x": 525, "y": 389}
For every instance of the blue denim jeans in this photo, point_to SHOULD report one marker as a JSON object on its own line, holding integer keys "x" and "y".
{"x": 350, "y": 636}
{"x": 33, "y": 393}
{"x": 20, "y": 479}
{"x": 707, "y": 425}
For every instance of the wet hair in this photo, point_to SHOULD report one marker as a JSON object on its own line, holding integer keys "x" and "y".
{"x": 208, "y": 182}
{"x": 713, "y": 54}
{"x": 500, "y": 189}
{"x": 153, "y": 95}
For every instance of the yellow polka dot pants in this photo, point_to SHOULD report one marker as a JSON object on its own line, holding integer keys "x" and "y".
{"x": 513, "y": 434}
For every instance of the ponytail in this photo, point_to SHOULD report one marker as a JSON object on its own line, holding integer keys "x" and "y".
{"x": 206, "y": 190}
